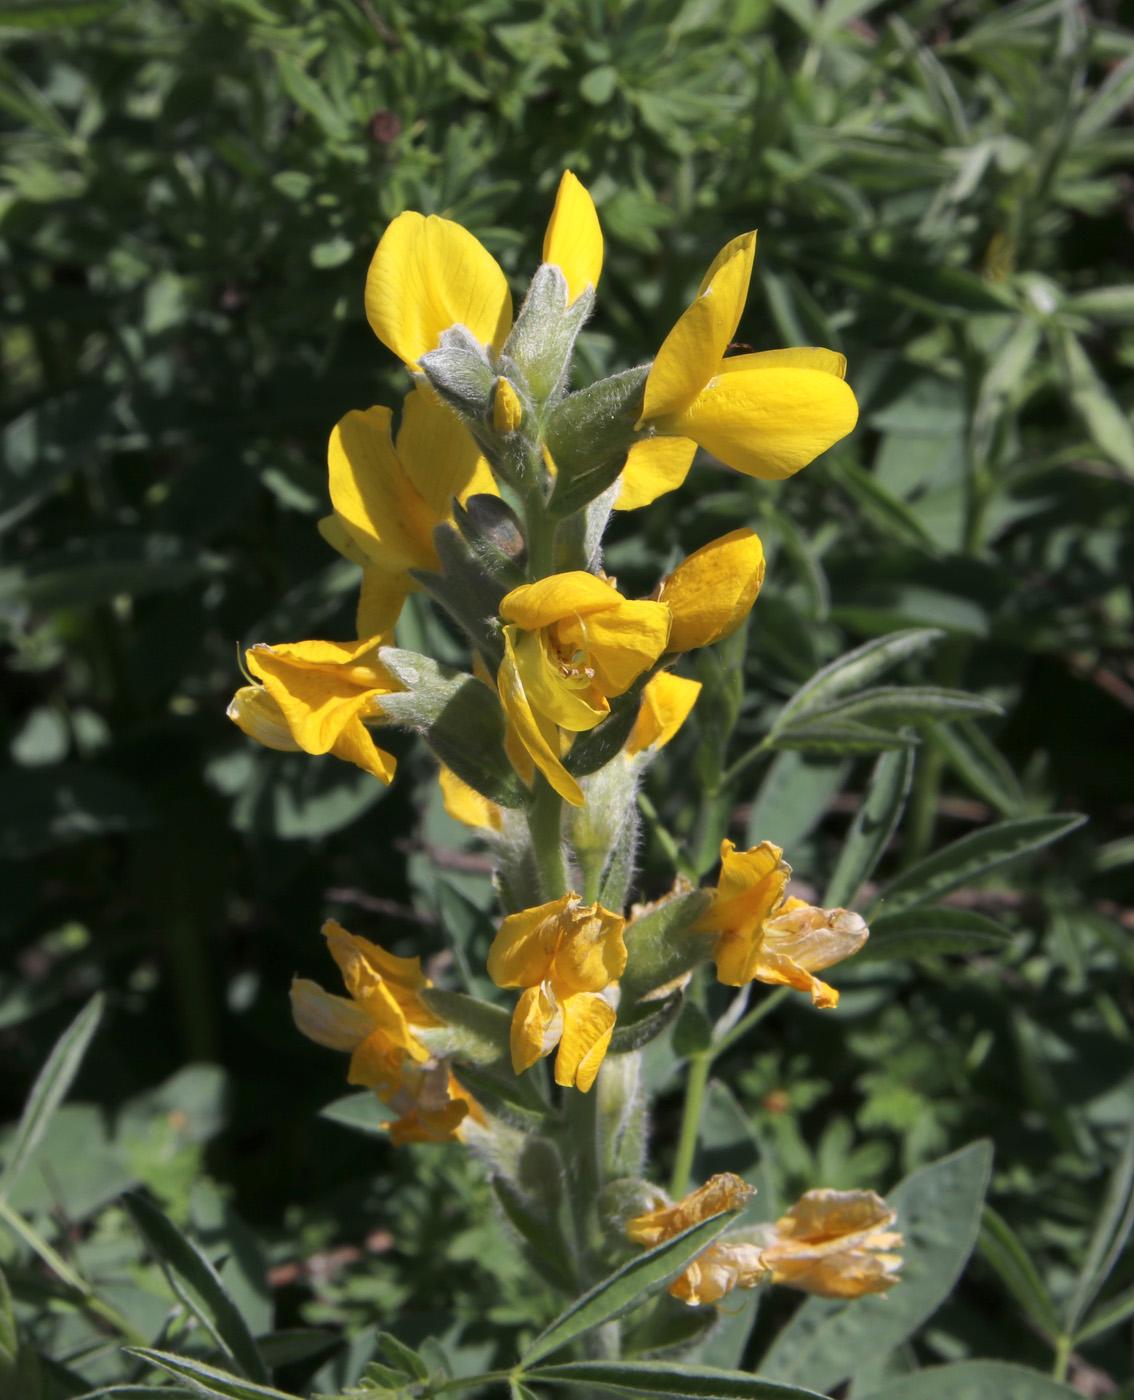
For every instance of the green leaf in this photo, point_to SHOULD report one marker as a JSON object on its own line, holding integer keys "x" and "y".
{"x": 543, "y": 1238}
{"x": 206, "y": 1380}
{"x": 1112, "y": 1230}
{"x": 888, "y": 511}
{"x": 50, "y": 1089}
{"x": 56, "y": 14}
{"x": 669, "y": 1379}
{"x": 646, "y": 1021}
{"x": 627, "y": 1287}
{"x": 839, "y": 736}
{"x": 939, "y": 1211}
{"x": 589, "y": 435}
{"x": 661, "y": 946}
{"x": 921, "y": 933}
{"x": 976, "y": 1380}
{"x": 1001, "y": 1247}
{"x": 365, "y": 1113}
{"x": 513, "y": 1098}
{"x": 179, "y": 1255}
{"x": 874, "y": 824}
{"x": 904, "y": 704}
{"x": 979, "y": 763}
{"x": 474, "y": 1031}
{"x": 793, "y": 798}
{"x": 1107, "y": 1315}
{"x": 403, "y": 1357}
{"x": 1105, "y": 420}
{"x": 856, "y": 669}
{"x": 973, "y": 855}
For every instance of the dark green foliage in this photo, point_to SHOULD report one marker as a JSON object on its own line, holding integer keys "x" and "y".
{"x": 189, "y": 196}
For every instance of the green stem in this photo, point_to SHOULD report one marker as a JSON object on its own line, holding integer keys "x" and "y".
{"x": 540, "y": 532}
{"x": 584, "y": 1179}
{"x": 63, "y": 1271}
{"x": 474, "y": 1382}
{"x": 699, "y": 1067}
{"x": 745, "y": 1024}
{"x": 1063, "y": 1346}
{"x": 544, "y": 827}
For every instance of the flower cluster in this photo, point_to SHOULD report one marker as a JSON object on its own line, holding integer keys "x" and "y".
{"x": 837, "y": 1244}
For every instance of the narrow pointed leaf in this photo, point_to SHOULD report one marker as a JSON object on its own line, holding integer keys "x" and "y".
{"x": 1001, "y": 1247}
{"x": 207, "y": 1380}
{"x": 1112, "y": 1230}
{"x": 973, "y": 855}
{"x": 180, "y": 1255}
{"x": 50, "y": 1089}
{"x": 1107, "y": 1315}
{"x": 874, "y": 823}
{"x": 976, "y": 1380}
{"x": 932, "y": 932}
{"x": 855, "y": 670}
{"x": 669, "y": 1379}
{"x": 628, "y": 1286}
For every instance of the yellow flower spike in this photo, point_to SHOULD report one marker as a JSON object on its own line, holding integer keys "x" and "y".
{"x": 766, "y": 937}
{"x": 712, "y": 591}
{"x": 324, "y": 691}
{"x": 726, "y": 1263}
{"x": 428, "y": 274}
{"x": 464, "y": 804}
{"x": 565, "y": 954}
{"x": 507, "y": 410}
{"x": 389, "y": 496}
{"x": 573, "y": 241}
{"x": 666, "y": 703}
{"x": 836, "y": 1244}
{"x": 766, "y": 414}
{"x": 574, "y": 643}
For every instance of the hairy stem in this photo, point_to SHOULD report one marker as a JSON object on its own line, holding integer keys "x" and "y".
{"x": 699, "y": 1067}
{"x": 544, "y": 827}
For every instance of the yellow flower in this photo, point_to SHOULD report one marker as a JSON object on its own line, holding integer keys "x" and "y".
{"x": 376, "y": 1023}
{"x": 666, "y": 702}
{"x": 574, "y": 642}
{"x": 726, "y": 1263}
{"x": 712, "y": 591}
{"x": 388, "y": 497}
{"x": 566, "y": 954}
{"x": 507, "y": 410}
{"x": 835, "y": 1243}
{"x": 766, "y": 414}
{"x": 317, "y": 695}
{"x": 432, "y": 1105}
{"x": 428, "y": 274}
{"x": 767, "y": 937}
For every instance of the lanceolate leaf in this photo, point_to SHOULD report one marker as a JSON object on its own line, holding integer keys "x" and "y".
{"x": 919, "y": 933}
{"x": 1003, "y": 1250}
{"x": 856, "y": 670}
{"x": 839, "y": 736}
{"x": 939, "y": 1210}
{"x": 882, "y": 805}
{"x": 185, "y": 1260}
{"x": 976, "y": 1380}
{"x": 50, "y": 1089}
{"x": 1112, "y": 1230}
{"x": 207, "y": 1380}
{"x": 669, "y": 1380}
{"x": 947, "y": 870}
{"x": 628, "y": 1286}
{"x": 904, "y": 704}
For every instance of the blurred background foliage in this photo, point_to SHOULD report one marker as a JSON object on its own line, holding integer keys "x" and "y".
{"x": 189, "y": 196}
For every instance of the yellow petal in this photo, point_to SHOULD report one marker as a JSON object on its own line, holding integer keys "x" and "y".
{"x": 507, "y": 410}
{"x": 712, "y": 591}
{"x": 434, "y": 1125}
{"x": 666, "y": 702}
{"x": 524, "y": 947}
{"x": 261, "y": 718}
{"x": 767, "y": 421}
{"x": 535, "y": 605}
{"x": 380, "y": 602}
{"x": 573, "y": 241}
{"x": 355, "y": 744}
{"x": 336, "y": 1022}
{"x": 539, "y": 736}
{"x": 374, "y": 498}
{"x": 725, "y": 1191}
{"x": 377, "y": 1064}
{"x": 654, "y": 466}
{"x": 333, "y": 529}
{"x": 588, "y": 1024}
{"x": 815, "y": 938}
{"x": 591, "y": 953}
{"x": 465, "y": 804}
{"x": 439, "y": 455}
{"x": 403, "y": 974}
{"x": 536, "y": 1025}
{"x": 428, "y": 274}
{"x": 776, "y": 970}
{"x": 692, "y": 352}
{"x": 750, "y": 890}
{"x": 617, "y": 643}
{"x": 561, "y": 700}
{"x": 725, "y": 1265}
